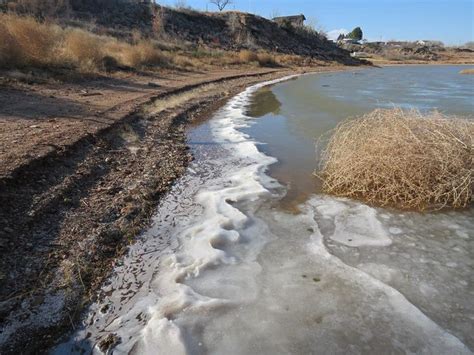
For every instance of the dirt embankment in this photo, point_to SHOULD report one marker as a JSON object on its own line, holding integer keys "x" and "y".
{"x": 236, "y": 30}
{"x": 411, "y": 53}
{"x": 83, "y": 167}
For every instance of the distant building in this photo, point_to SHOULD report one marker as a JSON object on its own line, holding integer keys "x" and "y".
{"x": 429, "y": 43}
{"x": 350, "y": 41}
{"x": 360, "y": 55}
{"x": 398, "y": 44}
{"x": 295, "y": 21}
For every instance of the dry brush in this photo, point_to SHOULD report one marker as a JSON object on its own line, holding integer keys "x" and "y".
{"x": 27, "y": 42}
{"x": 402, "y": 159}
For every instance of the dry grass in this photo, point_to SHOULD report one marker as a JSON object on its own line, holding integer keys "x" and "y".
{"x": 27, "y": 42}
{"x": 143, "y": 54}
{"x": 266, "y": 60}
{"x": 83, "y": 49}
{"x": 467, "y": 71}
{"x": 24, "y": 41}
{"x": 247, "y": 56}
{"x": 288, "y": 59}
{"x": 402, "y": 159}
{"x": 183, "y": 61}
{"x": 7, "y": 46}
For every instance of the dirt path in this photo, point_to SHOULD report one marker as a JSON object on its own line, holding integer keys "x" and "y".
{"x": 83, "y": 167}
{"x": 37, "y": 119}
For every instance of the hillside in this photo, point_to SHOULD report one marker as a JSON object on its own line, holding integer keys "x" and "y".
{"x": 401, "y": 52}
{"x": 235, "y": 31}
{"x": 230, "y": 31}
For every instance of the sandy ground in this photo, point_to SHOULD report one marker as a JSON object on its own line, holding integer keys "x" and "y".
{"x": 83, "y": 166}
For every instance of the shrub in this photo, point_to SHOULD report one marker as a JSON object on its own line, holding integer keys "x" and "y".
{"x": 183, "y": 62}
{"x": 143, "y": 54}
{"x": 247, "y": 56}
{"x": 266, "y": 60}
{"x": 110, "y": 63}
{"x": 84, "y": 50}
{"x": 288, "y": 59}
{"x": 401, "y": 159}
{"x": 9, "y": 52}
{"x": 25, "y": 41}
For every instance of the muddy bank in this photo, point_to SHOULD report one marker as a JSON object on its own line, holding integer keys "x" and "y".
{"x": 69, "y": 211}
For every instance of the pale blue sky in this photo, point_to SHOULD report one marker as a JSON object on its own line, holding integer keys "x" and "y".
{"x": 450, "y": 21}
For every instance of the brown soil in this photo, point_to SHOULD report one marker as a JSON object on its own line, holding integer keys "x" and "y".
{"x": 84, "y": 164}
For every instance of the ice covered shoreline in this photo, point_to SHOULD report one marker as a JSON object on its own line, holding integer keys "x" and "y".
{"x": 223, "y": 271}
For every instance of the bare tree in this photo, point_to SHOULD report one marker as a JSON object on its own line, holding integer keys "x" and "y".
{"x": 221, "y": 4}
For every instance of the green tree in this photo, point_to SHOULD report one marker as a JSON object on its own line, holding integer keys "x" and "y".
{"x": 356, "y": 34}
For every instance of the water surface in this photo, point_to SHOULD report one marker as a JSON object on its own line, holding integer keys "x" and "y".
{"x": 293, "y": 115}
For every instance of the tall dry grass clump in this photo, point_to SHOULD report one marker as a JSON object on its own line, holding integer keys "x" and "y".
{"x": 246, "y": 56}
{"x": 83, "y": 49}
{"x": 266, "y": 60}
{"x": 402, "y": 159}
{"x": 8, "y": 50}
{"x": 143, "y": 54}
{"x": 24, "y": 41}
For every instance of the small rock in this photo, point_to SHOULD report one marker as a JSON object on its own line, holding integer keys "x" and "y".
{"x": 105, "y": 308}
{"x": 109, "y": 342}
